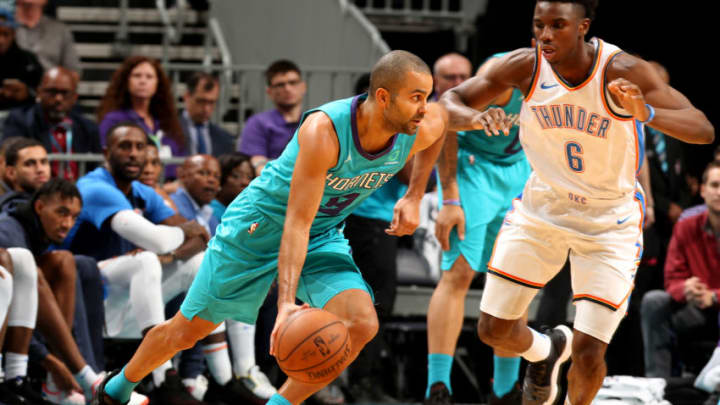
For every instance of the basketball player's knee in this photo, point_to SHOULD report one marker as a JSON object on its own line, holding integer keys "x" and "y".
{"x": 589, "y": 355}
{"x": 492, "y": 330}
{"x": 61, "y": 263}
{"x": 363, "y": 327}
{"x": 654, "y": 301}
{"x": 459, "y": 277}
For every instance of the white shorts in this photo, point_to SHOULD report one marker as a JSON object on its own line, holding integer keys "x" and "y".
{"x": 602, "y": 238}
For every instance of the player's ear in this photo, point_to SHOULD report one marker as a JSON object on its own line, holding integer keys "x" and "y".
{"x": 584, "y": 27}
{"x": 382, "y": 96}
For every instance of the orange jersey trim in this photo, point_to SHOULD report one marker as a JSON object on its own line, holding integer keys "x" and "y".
{"x": 510, "y": 277}
{"x": 536, "y": 78}
{"x": 602, "y": 92}
{"x": 217, "y": 349}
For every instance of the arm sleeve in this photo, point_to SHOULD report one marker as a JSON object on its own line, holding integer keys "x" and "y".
{"x": 159, "y": 239}
{"x": 253, "y": 140}
{"x": 676, "y": 267}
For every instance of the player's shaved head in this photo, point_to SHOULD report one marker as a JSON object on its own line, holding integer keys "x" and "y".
{"x": 200, "y": 175}
{"x": 390, "y": 71}
{"x": 196, "y": 160}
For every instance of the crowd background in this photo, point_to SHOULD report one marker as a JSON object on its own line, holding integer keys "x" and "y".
{"x": 140, "y": 92}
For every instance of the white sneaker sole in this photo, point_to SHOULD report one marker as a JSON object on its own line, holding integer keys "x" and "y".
{"x": 564, "y": 356}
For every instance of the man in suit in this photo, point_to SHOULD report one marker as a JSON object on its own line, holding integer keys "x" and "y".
{"x": 200, "y": 182}
{"x": 53, "y": 122}
{"x": 202, "y": 136}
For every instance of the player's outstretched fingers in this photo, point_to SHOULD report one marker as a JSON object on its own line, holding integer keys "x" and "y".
{"x": 500, "y": 120}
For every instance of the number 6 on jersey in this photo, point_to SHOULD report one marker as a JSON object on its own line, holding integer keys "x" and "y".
{"x": 573, "y": 153}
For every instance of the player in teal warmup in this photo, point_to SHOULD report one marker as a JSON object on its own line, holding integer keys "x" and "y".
{"x": 480, "y": 174}
{"x": 286, "y": 223}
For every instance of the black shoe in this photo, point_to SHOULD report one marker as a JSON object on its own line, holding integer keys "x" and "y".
{"x": 18, "y": 391}
{"x": 173, "y": 392}
{"x": 514, "y": 397}
{"x": 368, "y": 389}
{"x": 439, "y": 395}
{"x": 541, "y": 378}
{"x": 100, "y": 397}
{"x": 234, "y": 392}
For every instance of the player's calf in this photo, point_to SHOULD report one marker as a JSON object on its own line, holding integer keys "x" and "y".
{"x": 588, "y": 368}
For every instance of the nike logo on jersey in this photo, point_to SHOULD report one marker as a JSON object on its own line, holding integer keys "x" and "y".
{"x": 622, "y": 221}
{"x": 546, "y": 86}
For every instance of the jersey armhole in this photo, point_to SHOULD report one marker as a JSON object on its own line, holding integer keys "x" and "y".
{"x": 535, "y": 74}
{"x": 606, "y": 98}
{"x": 340, "y": 146}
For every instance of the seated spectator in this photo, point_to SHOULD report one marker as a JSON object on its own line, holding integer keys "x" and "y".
{"x": 140, "y": 92}
{"x": 688, "y": 307}
{"x": 266, "y": 134}
{"x": 26, "y": 165}
{"x": 201, "y": 135}
{"x": 147, "y": 255}
{"x": 34, "y": 224}
{"x": 152, "y": 172}
{"x": 46, "y": 37}
{"x": 199, "y": 184}
{"x": 54, "y": 123}
{"x": 20, "y": 70}
{"x": 4, "y": 188}
{"x": 236, "y": 173}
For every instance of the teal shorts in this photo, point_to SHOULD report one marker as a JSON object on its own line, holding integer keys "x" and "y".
{"x": 240, "y": 264}
{"x": 486, "y": 193}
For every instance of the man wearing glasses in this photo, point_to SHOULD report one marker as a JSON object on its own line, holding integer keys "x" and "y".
{"x": 53, "y": 122}
{"x": 266, "y": 134}
{"x": 448, "y": 71}
{"x": 202, "y": 137}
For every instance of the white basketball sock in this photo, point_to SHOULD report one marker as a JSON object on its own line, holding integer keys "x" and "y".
{"x": 16, "y": 365}
{"x": 218, "y": 361}
{"x": 242, "y": 339}
{"x": 86, "y": 377}
{"x": 539, "y": 348}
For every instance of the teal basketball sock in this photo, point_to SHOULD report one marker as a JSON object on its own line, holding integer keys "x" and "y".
{"x": 505, "y": 374}
{"x": 120, "y": 388}
{"x": 277, "y": 399}
{"x": 439, "y": 366}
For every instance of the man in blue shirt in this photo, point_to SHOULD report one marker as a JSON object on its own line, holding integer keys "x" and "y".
{"x": 199, "y": 185}
{"x": 147, "y": 253}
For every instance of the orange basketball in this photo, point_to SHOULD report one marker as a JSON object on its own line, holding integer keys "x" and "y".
{"x": 313, "y": 346}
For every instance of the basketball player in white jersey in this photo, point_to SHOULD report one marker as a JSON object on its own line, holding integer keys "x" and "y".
{"x": 581, "y": 126}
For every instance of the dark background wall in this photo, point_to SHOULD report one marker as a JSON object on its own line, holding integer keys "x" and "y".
{"x": 683, "y": 36}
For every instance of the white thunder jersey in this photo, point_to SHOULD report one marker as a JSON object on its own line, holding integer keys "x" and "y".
{"x": 577, "y": 140}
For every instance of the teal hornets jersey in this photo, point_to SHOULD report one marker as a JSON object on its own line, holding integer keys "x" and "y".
{"x": 498, "y": 149}
{"x": 381, "y": 203}
{"x": 356, "y": 175}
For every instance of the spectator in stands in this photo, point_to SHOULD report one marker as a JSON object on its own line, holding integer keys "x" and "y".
{"x": 148, "y": 255}
{"x": 236, "y": 173}
{"x": 201, "y": 135}
{"x": 4, "y": 188}
{"x": 152, "y": 172}
{"x": 266, "y": 134}
{"x": 26, "y": 165}
{"x": 45, "y": 36}
{"x": 688, "y": 307}
{"x": 54, "y": 123}
{"x": 20, "y": 70}
{"x": 33, "y": 224}
{"x": 140, "y": 92}
{"x": 199, "y": 185}
{"x": 448, "y": 71}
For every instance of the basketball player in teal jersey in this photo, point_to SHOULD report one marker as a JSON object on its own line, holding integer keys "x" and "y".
{"x": 480, "y": 174}
{"x": 335, "y": 160}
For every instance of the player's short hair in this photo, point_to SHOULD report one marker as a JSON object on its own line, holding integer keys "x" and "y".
{"x": 588, "y": 5}
{"x": 57, "y": 185}
{"x": 279, "y": 67}
{"x": 390, "y": 70}
{"x": 14, "y": 145}
{"x": 230, "y": 161}
{"x": 208, "y": 81}
{"x": 715, "y": 164}
{"x": 114, "y": 128}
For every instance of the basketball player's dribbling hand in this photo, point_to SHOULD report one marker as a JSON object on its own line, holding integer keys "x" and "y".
{"x": 284, "y": 312}
{"x": 630, "y": 98}
{"x": 492, "y": 121}
{"x": 406, "y": 217}
{"x": 449, "y": 217}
